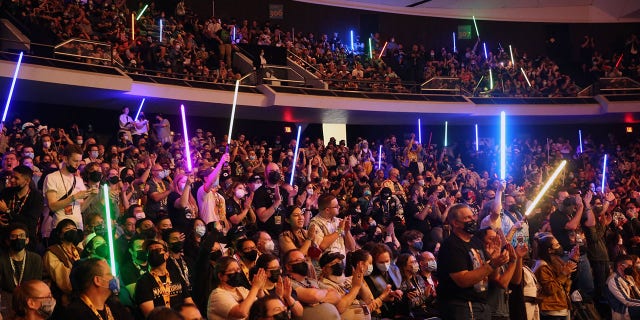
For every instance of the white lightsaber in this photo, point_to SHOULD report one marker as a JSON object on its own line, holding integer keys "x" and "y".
{"x": 380, "y": 157}
{"x": 295, "y": 157}
{"x": 477, "y": 145}
{"x": 446, "y": 132}
{"x": 513, "y": 62}
{"x": 580, "y": 138}
{"x": 419, "y": 131}
{"x": 13, "y": 85}
{"x": 604, "y": 173}
{"x": 503, "y": 145}
{"x": 233, "y": 112}
{"x": 139, "y": 109}
{"x": 525, "y": 77}
{"x": 545, "y": 188}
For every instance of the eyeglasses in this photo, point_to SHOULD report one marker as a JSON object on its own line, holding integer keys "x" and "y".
{"x": 17, "y": 236}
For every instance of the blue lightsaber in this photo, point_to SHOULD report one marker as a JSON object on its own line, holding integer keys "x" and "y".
{"x": 455, "y": 49}
{"x": 604, "y": 173}
{"x": 13, "y": 85}
{"x": 380, "y": 157}
{"x": 353, "y": 48}
{"x": 484, "y": 45}
{"x": 295, "y": 157}
{"x": 446, "y": 132}
{"x": 580, "y": 138}
{"x": 139, "y": 109}
{"x": 503, "y": 145}
{"x": 477, "y": 147}
{"x": 161, "y": 30}
{"x": 419, "y": 131}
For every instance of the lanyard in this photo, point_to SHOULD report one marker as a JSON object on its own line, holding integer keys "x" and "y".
{"x": 184, "y": 270}
{"x": 18, "y": 281}
{"x": 17, "y": 200}
{"x": 86, "y": 301}
{"x": 165, "y": 288}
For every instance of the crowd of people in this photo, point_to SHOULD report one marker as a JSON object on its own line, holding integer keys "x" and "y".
{"x": 424, "y": 233}
{"x": 199, "y": 48}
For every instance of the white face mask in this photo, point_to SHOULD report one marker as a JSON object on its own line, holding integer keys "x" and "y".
{"x": 369, "y": 270}
{"x": 415, "y": 268}
{"x": 256, "y": 186}
{"x": 94, "y": 154}
{"x": 201, "y": 230}
{"x": 309, "y": 191}
{"x": 240, "y": 193}
{"x": 269, "y": 246}
{"x": 139, "y": 215}
{"x": 47, "y": 144}
{"x": 384, "y": 267}
{"x": 432, "y": 266}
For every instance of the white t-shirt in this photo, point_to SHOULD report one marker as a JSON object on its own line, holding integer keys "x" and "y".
{"x": 59, "y": 185}
{"x": 207, "y": 205}
{"x": 222, "y": 301}
{"x": 123, "y": 120}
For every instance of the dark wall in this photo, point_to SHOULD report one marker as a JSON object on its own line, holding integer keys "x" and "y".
{"x": 432, "y": 32}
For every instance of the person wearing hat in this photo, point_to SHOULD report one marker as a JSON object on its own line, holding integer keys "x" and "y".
{"x": 254, "y": 182}
{"x": 333, "y": 275}
{"x": 385, "y": 206}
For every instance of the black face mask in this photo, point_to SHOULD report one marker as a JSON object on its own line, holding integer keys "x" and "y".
{"x": 215, "y": 255}
{"x": 17, "y": 244}
{"x": 70, "y": 236}
{"x": 514, "y": 208}
{"x": 628, "y": 271}
{"x": 176, "y": 247}
{"x": 71, "y": 169}
{"x": 337, "y": 269}
{"x": 274, "y": 177}
{"x": 156, "y": 258}
{"x": 470, "y": 227}
{"x": 235, "y": 280}
{"x": 275, "y": 275}
{"x": 251, "y": 255}
{"x": 142, "y": 256}
{"x": 557, "y": 252}
{"x": 128, "y": 179}
{"x": 99, "y": 230}
{"x": 114, "y": 180}
{"x": 284, "y": 315}
{"x": 95, "y": 176}
{"x": 300, "y": 268}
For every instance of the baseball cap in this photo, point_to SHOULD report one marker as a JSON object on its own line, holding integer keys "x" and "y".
{"x": 327, "y": 257}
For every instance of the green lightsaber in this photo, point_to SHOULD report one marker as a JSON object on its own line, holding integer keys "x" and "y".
{"x": 107, "y": 209}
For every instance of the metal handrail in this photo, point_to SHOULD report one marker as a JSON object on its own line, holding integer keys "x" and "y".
{"x": 305, "y": 62}
{"x": 439, "y": 78}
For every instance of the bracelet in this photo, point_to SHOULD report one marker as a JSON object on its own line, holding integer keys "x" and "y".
{"x": 73, "y": 198}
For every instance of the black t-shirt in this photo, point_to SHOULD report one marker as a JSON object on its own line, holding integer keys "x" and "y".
{"x": 413, "y": 223}
{"x": 558, "y": 220}
{"x": 596, "y": 247}
{"x": 264, "y": 197}
{"x": 233, "y": 208}
{"x": 147, "y": 289}
{"x": 130, "y": 273}
{"x": 182, "y": 218}
{"x": 79, "y": 310}
{"x": 457, "y": 255}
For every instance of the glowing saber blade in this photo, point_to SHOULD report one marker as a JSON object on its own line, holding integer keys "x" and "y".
{"x": 353, "y": 48}
{"x": 604, "y": 173}
{"x": 380, "y": 157}
{"x": 503, "y": 145}
{"x": 446, "y": 132}
{"x": 139, "y": 109}
{"x": 477, "y": 147}
{"x": 490, "y": 79}
{"x": 382, "y": 52}
{"x": 161, "y": 29}
{"x": 187, "y": 149}
{"x": 545, "y": 188}
{"x": 133, "y": 27}
{"x": 295, "y": 157}
{"x": 580, "y": 138}
{"x": 525, "y": 76}
{"x": 419, "y": 131}
{"x": 513, "y": 62}
{"x": 619, "y": 60}
{"x": 486, "y": 57}
{"x": 13, "y": 85}
{"x": 370, "y": 50}
{"x": 476, "y": 25}
{"x": 455, "y": 49}
{"x": 142, "y": 12}
{"x": 107, "y": 209}
{"x": 233, "y": 112}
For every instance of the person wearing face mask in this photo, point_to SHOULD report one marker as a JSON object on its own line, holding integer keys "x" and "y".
{"x": 209, "y": 200}
{"x": 319, "y": 301}
{"x": 65, "y": 190}
{"x": 21, "y": 203}
{"x": 428, "y": 267}
{"x": 159, "y": 287}
{"x": 178, "y": 263}
{"x": 238, "y": 205}
{"x": 230, "y": 300}
{"x": 32, "y": 300}
{"x": 333, "y": 275}
{"x": 247, "y": 254}
{"x": 159, "y": 191}
{"x": 194, "y": 239}
{"x": 270, "y": 201}
{"x": 254, "y": 182}
{"x": 418, "y": 209}
{"x": 554, "y": 276}
{"x": 276, "y": 284}
{"x": 385, "y": 277}
{"x": 415, "y": 300}
{"x": 93, "y": 154}
{"x": 264, "y": 243}
{"x": 464, "y": 270}
{"x": 59, "y": 258}
{"x": 17, "y": 264}
{"x": 624, "y": 297}
{"x": 411, "y": 242}
{"x": 183, "y": 207}
{"x": 269, "y": 307}
{"x": 93, "y": 284}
